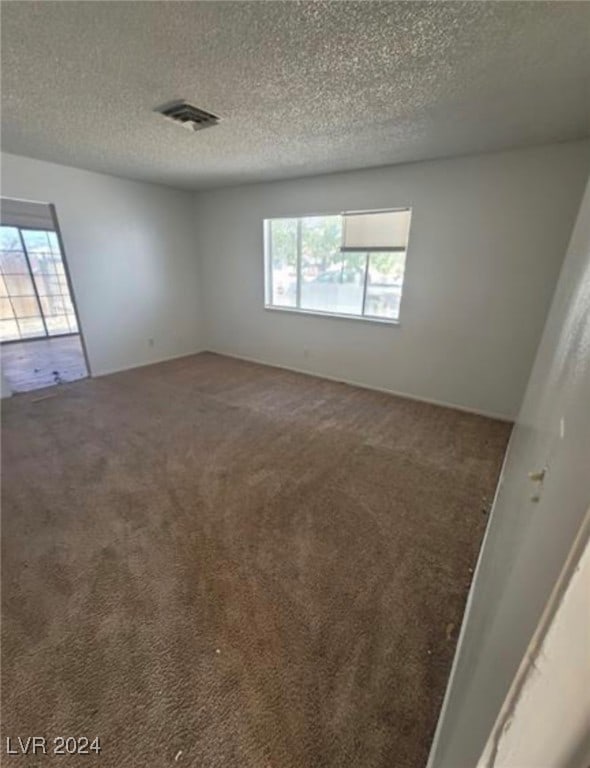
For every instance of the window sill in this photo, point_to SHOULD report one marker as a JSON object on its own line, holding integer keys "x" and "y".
{"x": 336, "y": 316}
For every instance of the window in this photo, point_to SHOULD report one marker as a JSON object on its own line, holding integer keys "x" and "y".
{"x": 349, "y": 264}
{"x": 35, "y": 299}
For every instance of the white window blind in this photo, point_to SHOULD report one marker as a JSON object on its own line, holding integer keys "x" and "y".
{"x": 376, "y": 231}
{"x": 23, "y": 213}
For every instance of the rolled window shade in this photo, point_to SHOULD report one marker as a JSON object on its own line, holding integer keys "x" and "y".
{"x": 376, "y": 231}
{"x": 22, "y": 213}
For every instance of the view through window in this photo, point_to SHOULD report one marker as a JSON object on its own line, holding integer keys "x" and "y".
{"x": 308, "y": 268}
{"x": 35, "y": 300}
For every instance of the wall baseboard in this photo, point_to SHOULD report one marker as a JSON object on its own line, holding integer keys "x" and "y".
{"x": 111, "y": 371}
{"x": 361, "y": 385}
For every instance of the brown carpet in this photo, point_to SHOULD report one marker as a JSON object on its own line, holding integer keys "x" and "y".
{"x": 218, "y": 564}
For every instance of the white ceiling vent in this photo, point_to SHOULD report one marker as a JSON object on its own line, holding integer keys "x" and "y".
{"x": 189, "y": 117}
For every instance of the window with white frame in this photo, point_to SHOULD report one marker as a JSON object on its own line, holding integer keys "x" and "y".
{"x": 349, "y": 264}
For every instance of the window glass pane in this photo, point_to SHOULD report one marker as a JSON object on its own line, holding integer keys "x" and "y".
{"x": 57, "y": 324}
{"x": 53, "y": 242}
{"x": 36, "y": 240}
{"x": 31, "y": 326}
{"x": 42, "y": 262}
{"x": 321, "y": 237}
{"x": 47, "y": 285}
{"x": 68, "y": 306}
{"x": 40, "y": 251}
{"x": 6, "y": 312}
{"x": 19, "y": 285}
{"x": 52, "y": 305}
{"x": 25, "y": 306}
{"x": 337, "y": 286}
{"x": 384, "y": 284}
{"x": 13, "y": 262}
{"x": 72, "y": 323}
{"x": 9, "y": 330}
{"x": 331, "y": 281}
{"x": 9, "y": 239}
{"x": 283, "y": 251}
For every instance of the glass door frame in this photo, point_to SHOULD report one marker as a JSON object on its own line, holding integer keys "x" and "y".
{"x": 36, "y": 295}
{"x": 57, "y": 231}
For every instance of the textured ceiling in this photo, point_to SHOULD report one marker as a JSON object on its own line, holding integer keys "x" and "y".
{"x": 302, "y": 87}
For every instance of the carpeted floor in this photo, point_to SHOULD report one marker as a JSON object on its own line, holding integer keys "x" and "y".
{"x": 218, "y": 564}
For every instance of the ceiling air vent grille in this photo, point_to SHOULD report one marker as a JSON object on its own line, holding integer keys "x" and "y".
{"x": 189, "y": 117}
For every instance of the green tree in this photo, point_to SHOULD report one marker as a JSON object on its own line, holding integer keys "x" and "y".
{"x": 283, "y": 233}
{"x": 321, "y": 238}
{"x": 390, "y": 265}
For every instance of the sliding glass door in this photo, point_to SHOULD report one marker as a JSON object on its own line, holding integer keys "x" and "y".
{"x": 35, "y": 300}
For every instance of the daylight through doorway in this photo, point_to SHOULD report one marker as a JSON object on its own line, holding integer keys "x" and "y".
{"x": 34, "y": 293}
{"x": 39, "y": 331}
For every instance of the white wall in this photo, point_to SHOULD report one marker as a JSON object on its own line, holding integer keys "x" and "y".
{"x": 546, "y": 716}
{"x": 527, "y": 543}
{"x": 131, "y": 253}
{"x": 187, "y": 270}
{"x": 487, "y": 241}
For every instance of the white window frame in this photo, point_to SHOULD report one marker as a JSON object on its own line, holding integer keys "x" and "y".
{"x": 298, "y": 310}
